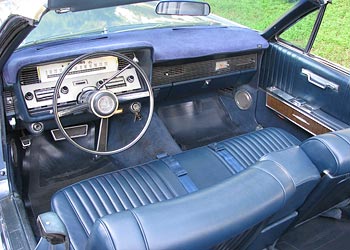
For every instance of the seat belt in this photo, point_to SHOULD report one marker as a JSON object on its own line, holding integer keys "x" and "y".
{"x": 227, "y": 157}
{"x": 179, "y": 171}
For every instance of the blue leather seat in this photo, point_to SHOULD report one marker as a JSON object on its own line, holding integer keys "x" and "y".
{"x": 330, "y": 152}
{"x": 81, "y": 204}
{"x": 331, "y": 155}
{"x": 206, "y": 166}
{"x": 199, "y": 220}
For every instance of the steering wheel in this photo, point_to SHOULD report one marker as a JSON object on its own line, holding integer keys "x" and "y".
{"x": 102, "y": 103}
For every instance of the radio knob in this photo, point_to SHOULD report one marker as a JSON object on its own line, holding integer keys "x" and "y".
{"x": 130, "y": 78}
{"x": 64, "y": 90}
{"x": 29, "y": 96}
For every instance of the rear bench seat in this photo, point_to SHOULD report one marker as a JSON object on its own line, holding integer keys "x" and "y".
{"x": 81, "y": 204}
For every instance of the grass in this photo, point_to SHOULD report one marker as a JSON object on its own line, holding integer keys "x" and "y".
{"x": 333, "y": 39}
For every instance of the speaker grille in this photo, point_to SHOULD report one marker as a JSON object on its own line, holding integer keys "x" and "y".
{"x": 243, "y": 99}
{"x": 190, "y": 71}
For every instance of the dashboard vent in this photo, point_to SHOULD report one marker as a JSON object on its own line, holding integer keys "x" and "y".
{"x": 9, "y": 102}
{"x": 122, "y": 63}
{"x": 29, "y": 76}
{"x": 208, "y": 68}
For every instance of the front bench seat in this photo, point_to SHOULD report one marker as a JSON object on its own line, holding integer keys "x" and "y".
{"x": 199, "y": 220}
{"x": 81, "y": 204}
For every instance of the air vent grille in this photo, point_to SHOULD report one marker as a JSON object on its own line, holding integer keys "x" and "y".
{"x": 29, "y": 76}
{"x": 122, "y": 63}
{"x": 9, "y": 102}
{"x": 191, "y": 71}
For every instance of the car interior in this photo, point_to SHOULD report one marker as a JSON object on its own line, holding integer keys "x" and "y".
{"x": 176, "y": 138}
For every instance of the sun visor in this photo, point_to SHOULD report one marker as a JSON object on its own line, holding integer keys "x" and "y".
{"x": 78, "y": 5}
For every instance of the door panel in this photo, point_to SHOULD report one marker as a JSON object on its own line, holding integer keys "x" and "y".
{"x": 282, "y": 69}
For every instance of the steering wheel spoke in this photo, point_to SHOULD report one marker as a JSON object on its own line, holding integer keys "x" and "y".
{"x": 102, "y": 140}
{"x": 72, "y": 110}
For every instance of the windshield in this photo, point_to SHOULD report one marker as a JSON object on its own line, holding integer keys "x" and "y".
{"x": 26, "y": 8}
{"x": 54, "y": 26}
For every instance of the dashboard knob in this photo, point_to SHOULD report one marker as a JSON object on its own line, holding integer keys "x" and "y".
{"x": 130, "y": 78}
{"x": 29, "y": 96}
{"x": 64, "y": 90}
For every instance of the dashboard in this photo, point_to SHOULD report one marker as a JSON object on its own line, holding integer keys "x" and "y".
{"x": 38, "y": 82}
{"x": 177, "y": 61}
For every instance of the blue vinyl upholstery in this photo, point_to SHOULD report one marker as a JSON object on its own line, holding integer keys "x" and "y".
{"x": 249, "y": 148}
{"x": 81, "y": 204}
{"x": 218, "y": 213}
{"x": 330, "y": 151}
{"x": 305, "y": 176}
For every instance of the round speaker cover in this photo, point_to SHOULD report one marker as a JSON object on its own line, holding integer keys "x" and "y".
{"x": 243, "y": 99}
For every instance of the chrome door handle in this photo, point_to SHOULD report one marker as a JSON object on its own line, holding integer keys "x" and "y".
{"x": 319, "y": 81}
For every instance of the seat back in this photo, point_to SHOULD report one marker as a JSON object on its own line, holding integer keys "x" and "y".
{"x": 305, "y": 176}
{"x": 202, "y": 219}
{"x": 331, "y": 155}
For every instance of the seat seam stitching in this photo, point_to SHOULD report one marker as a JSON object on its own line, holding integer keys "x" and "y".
{"x": 141, "y": 228}
{"x": 166, "y": 184}
{"x": 99, "y": 198}
{"x": 124, "y": 191}
{"x": 142, "y": 188}
{"x": 124, "y": 206}
{"x": 155, "y": 193}
{"x": 107, "y": 193}
{"x": 147, "y": 171}
{"x": 342, "y": 137}
{"x": 91, "y": 201}
{"x": 80, "y": 199}
{"x": 76, "y": 213}
{"x": 132, "y": 188}
{"x": 330, "y": 150}
{"x": 283, "y": 189}
{"x": 108, "y": 233}
{"x": 284, "y": 170}
{"x": 238, "y": 153}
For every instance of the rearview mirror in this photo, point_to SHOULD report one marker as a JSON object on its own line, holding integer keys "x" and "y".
{"x": 187, "y": 8}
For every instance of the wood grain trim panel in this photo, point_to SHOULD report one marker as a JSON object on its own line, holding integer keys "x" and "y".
{"x": 291, "y": 113}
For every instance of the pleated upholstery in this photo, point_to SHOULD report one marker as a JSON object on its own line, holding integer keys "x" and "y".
{"x": 81, "y": 204}
{"x": 247, "y": 149}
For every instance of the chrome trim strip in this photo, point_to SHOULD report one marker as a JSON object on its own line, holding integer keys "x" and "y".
{"x": 56, "y": 138}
